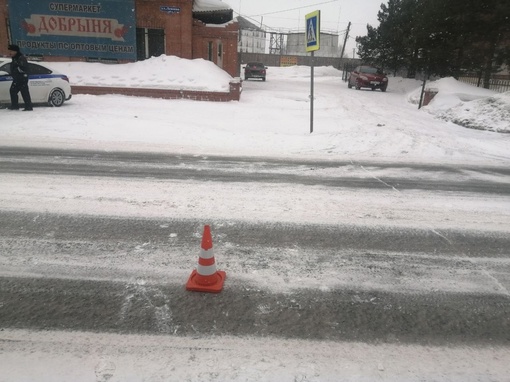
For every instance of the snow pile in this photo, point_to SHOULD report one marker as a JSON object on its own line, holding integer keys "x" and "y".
{"x": 467, "y": 105}
{"x": 303, "y": 73}
{"x": 404, "y": 86}
{"x": 168, "y": 72}
{"x": 490, "y": 113}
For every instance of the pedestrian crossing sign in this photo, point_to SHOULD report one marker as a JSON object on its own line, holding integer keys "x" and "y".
{"x": 313, "y": 31}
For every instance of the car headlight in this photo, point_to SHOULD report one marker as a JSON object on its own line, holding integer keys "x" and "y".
{"x": 363, "y": 78}
{"x": 385, "y": 79}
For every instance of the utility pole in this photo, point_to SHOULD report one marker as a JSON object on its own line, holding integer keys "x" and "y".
{"x": 345, "y": 40}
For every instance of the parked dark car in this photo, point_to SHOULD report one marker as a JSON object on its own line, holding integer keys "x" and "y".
{"x": 368, "y": 77}
{"x": 255, "y": 70}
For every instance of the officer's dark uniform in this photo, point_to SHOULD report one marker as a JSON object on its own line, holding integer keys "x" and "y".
{"x": 19, "y": 74}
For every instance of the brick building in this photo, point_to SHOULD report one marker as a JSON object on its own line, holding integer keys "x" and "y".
{"x": 121, "y": 30}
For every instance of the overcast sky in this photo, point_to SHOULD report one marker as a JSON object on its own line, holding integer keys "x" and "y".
{"x": 290, "y": 15}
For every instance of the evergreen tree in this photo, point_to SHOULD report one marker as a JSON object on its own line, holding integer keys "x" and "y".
{"x": 440, "y": 37}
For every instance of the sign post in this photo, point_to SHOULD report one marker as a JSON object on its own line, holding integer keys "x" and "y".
{"x": 312, "y": 35}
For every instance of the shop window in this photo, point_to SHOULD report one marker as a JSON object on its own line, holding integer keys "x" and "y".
{"x": 149, "y": 43}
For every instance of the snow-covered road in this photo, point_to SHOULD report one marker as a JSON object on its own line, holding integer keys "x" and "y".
{"x": 413, "y": 243}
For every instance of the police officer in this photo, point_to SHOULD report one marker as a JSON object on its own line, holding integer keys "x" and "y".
{"x": 19, "y": 74}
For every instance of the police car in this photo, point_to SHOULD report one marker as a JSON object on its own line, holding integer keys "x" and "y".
{"x": 46, "y": 87}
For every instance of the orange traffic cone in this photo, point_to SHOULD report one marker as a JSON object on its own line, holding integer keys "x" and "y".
{"x": 206, "y": 278}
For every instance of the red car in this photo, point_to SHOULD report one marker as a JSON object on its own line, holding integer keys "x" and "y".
{"x": 368, "y": 77}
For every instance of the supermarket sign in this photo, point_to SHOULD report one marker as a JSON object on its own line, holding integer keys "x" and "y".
{"x": 102, "y": 28}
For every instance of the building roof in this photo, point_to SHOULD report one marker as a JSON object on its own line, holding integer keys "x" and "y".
{"x": 209, "y": 6}
{"x": 245, "y": 24}
{"x": 212, "y": 11}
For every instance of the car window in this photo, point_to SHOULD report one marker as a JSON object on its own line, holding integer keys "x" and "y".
{"x": 6, "y": 68}
{"x": 256, "y": 65}
{"x": 38, "y": 69}
{"x": 32, "y": 69}
{"x": 369, "y": 70}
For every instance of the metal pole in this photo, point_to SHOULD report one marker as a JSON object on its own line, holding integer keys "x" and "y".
{"x": 311, "y": 94}
{"x": 422, "y": 92}
{"x": 345, "y": 41}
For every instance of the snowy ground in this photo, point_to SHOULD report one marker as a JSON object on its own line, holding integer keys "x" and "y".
{"x": 89, "y": 357}
{"x": 271, "y": 120}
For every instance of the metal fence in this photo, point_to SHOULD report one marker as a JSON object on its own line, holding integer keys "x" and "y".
{"x": 347, "y": 69}
{"x": 497, "y": 83}
{"x": 282, "y": 60}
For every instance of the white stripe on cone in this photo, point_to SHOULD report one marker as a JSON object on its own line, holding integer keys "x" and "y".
{"x": 206, "y": 270}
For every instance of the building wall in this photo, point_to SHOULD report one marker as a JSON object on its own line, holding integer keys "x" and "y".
{"x": 178, "y": 26}
{"x": 284, "y": 60}
{"x": 4, "y": 39}
{"x": 225, "y": 35}
{"x": 328, "y": 45}
{"x": 184, "y": 37}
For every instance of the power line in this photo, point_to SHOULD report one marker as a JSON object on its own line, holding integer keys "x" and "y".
{"x": 266, "y": 28}
{"x": 289, "y": 30}
{"x": 295, "y": 9}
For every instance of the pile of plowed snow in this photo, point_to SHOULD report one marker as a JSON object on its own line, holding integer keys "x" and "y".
{"x": 467, "y": 105}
